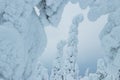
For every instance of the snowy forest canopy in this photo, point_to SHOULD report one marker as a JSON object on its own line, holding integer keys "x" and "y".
{"x": 23, "y": 40}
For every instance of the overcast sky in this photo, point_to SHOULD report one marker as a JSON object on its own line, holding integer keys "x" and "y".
{"x": 89, "y": 44}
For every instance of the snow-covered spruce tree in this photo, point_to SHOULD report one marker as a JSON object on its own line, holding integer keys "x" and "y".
{"x": 40, "y": 72}
{"x": 118, "y": 75}
{"x": 22, "y": 35}
{"x": 101, "y": 69}
{"x": 110, "y": 35}
{"x": 70, "y": 68}
{"x": 101, "y": 72}
{"x": 56, "y": 73}
{"x": 17, "y": 39}
{"x": 51, "y": 11}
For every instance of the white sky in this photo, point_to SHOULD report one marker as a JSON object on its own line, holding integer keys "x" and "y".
{"x": 89, "y": 44}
